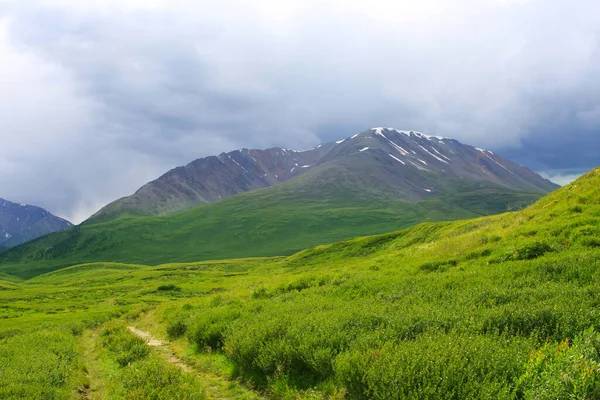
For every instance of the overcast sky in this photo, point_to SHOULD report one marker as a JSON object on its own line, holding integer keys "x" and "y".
{"x": 98, "y": 97}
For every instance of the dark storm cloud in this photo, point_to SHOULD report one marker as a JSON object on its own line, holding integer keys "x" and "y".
{"x": 106, "y": 95}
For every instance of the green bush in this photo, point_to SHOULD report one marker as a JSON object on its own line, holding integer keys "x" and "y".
{"x": 564, "y": 370}
{"x": 155, "y": 379}
{"x": 36, "y": 365}
{"x": 261, "y": 293}
{"x": 591, "y": 241}
{"x": 532, "y": 250}
{"x": 124, "y": 347}
{"x": 478, "y": 254}
{"x": 169, "y": 288}
{"x": 437, "y": 367}
{"x": 576, "y": 209}
{"x": 440, "y": 266}
{"x": 485, "y": 239}
{"x": 208, "y": 327}
{"x": 176, "y": 328}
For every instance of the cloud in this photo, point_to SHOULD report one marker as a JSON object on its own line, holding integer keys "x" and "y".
{"x": 562, "y": 177}
{"x": 106, "y": 95}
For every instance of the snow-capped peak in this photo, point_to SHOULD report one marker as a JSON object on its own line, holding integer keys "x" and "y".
{"x": 380, "y": 130}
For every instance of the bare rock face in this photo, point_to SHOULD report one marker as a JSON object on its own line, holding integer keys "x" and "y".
{"x": 394, "y": 163}
{"x": 20, "y": 223}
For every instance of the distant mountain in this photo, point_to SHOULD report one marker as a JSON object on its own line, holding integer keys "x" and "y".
{"x": 377, "y": 181}
{"x": 20, "y": 223}
{"x": 399, "y": 164}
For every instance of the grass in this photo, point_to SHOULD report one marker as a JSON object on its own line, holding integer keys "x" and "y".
{"x": 502, "y": 307}
{"x": 36, "y": 364}
{"x": 269, "y": 222}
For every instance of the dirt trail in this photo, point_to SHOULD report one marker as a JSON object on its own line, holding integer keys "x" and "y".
{"x": 217, "y": 387}
{"x": 146, "y": 336}
{"x": 162, "y": 347}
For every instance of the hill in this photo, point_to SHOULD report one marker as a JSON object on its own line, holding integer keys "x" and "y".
{"x": 501, "y": 307}
{"x": 274, "y": 221}
{"x": 351, "y": 191}
{"x": 20, "y": 223}
{"x": 396, "y": 164}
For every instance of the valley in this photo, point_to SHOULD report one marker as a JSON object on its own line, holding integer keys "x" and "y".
{"x": 501, "y": 306}
{"x": 299, "y": 200}
{"x": 255, "y": 203}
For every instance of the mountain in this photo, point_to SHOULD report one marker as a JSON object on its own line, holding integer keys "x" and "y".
{"x": 377, "y": 181}
{"x": 398, "y": 164}
{"x": 499, "y": 307}
{"x": 20, "y": 223}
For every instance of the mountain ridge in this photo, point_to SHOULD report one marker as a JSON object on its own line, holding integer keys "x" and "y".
{"x": 20, "y": 223}
{"x": 358, "y": 188}
{"x": 214, "y": 178}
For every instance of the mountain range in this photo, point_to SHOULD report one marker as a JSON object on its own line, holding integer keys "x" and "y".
{"x": 20, "y": 223}
{"x": 394, "y": 163}
{"x": 277, "y": 201}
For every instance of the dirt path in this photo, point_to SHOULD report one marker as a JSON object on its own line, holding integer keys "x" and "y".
{"x": 165, "y": 350}
{"x": 217, "y": 387}
{"x": 146, "y": 336}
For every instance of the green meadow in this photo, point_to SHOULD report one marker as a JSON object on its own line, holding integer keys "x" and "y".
{"x": 499, "y": 307}
{"x": 280, "y": 220}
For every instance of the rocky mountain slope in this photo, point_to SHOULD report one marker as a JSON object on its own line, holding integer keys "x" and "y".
{"x": 20, "y": 223}
{"x": 398, "y": 164}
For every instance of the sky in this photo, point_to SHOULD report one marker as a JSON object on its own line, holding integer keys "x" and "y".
{"x": 98, "y": 97}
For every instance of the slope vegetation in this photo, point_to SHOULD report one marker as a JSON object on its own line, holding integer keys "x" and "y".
{"x": 373, "y": 182}
{"x": 502, "y": 307}
{"x": 275, "y": 221}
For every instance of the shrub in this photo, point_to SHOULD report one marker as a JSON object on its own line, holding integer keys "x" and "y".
{"x": 176, "y": 328}
{"x": 565, "y": 370}
{"x": 438, "y": 265}
{"x": 158, "y": 380}
{"x": 36, "y": 365}
{"x": 485, "y": 239}
{"x": 478, "y": 254}
{"x": 576, "y": 209}
{"x": 123, "y": 346}
{"x": 209, "y": 327}
{"x": 260, "y": 293}
{"x": 437, "y": 367}
{"x": 532, "y": 250}
{"x": 168, "y": 288}
{"x": 590, "y": 241}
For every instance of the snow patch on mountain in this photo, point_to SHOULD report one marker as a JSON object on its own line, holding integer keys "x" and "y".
{"x": 434, "y": 149}
{"x": 380, "y": 130}
{"x": 397, "y": 159}
{"x": 433, "y": 155}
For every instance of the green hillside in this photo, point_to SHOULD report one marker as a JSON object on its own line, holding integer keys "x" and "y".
{"x": 279, "y": 220}
{"x": 500, "y": 307}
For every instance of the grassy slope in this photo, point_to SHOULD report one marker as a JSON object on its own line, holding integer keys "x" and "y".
{"x": 440, "y": 310}
{"x": 275, "y": 221}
